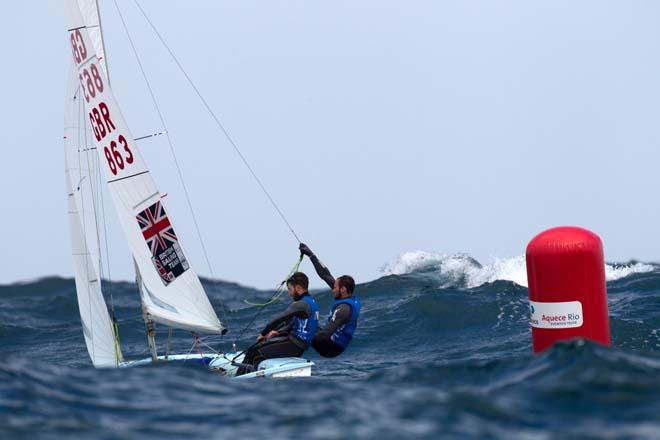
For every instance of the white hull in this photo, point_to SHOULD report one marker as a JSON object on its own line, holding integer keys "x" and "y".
{"x": 225, "y": 364}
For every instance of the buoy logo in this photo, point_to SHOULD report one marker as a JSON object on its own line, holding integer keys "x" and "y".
{"x": 556, "y": 315}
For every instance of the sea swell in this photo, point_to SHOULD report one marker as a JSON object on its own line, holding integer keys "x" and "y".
{"x": 443, "y": 350}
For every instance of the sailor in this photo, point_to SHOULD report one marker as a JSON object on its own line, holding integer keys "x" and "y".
{"x": 333, "y": 339}
{"x": 289, "y": 333}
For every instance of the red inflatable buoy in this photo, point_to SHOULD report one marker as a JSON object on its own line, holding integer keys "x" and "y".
{"x": 567, "y": 291}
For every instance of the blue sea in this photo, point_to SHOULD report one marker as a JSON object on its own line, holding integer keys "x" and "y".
{"x": 443, "y": 350}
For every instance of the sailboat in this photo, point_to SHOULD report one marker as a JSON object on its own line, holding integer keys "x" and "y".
{"x": 101, "y": 154}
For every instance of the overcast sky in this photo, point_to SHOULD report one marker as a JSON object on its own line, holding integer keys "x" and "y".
{"x": 379, "y": 127}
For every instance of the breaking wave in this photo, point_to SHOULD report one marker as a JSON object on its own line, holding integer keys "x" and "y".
{"x": 617, "y": 271}
{"x": 462, "y": 270}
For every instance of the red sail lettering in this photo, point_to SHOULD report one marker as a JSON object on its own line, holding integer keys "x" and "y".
{"x": 97, "y": 124}
{"x": 78, "y": 46}
{"x": 74, "y": 47}
{"x": 113, "y": 155}
{"x": 86, "y": 79}
{"x": 111, "y": 161}
{"x": 81, "y": 45}
{"x": 84, "y": 89}
{"x": 91, "y": 84}
{"x": 98, "y": 81}
{"x": 116, "y": 155}
{"x": 129, "y": 157}
{"x": 106, "y": 116}
{"x": 102, "y": 125}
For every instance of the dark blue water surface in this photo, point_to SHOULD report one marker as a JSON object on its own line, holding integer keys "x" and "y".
{"x": 432, "y": 358}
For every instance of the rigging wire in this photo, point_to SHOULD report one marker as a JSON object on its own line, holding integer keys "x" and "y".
{"x": 100, "y": 195}
{"x": 171, "y": 146}
{"x": 218, "y": 122}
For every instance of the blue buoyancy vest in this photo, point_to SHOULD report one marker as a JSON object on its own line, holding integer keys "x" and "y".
{"x": 342, "y": 335}
{"x": 305, "y": 329}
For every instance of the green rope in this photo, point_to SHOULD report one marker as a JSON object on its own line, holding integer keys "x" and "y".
{"x": 272, "y": 299}
{"x": 280, "y": 289}
{"x": 115, "y": 330}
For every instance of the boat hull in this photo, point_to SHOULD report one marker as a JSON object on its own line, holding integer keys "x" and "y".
{"x": 228, "y": 363}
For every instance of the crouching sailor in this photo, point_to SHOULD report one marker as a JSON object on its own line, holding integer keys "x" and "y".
{"x": 333, "y": 339}
{"x": 289, "y": 333}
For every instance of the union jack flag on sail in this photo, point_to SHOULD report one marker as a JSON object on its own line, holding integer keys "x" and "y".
{"x": 163, "y": 243}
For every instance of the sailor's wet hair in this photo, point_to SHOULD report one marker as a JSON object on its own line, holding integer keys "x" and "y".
{"x": 299, "y": 279}
{"x": 348, "y": 282}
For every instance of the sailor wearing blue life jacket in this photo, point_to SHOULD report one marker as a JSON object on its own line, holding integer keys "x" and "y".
{"x": 332, "y": 340}
{"x": 289, "y": 333}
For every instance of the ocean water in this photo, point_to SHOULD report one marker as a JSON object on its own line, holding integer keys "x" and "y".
{"x": 443, "y": 350}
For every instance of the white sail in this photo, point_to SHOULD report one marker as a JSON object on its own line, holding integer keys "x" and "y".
{"x": 80, "y": 186}
{"x": 89, "y": 12}
{"x": 79, "y": 156}
{"x": 171, "y": 290}
{"x": 97, "y": 327}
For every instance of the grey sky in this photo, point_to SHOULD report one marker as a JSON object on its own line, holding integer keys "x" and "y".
{"x": 379, "y": 127}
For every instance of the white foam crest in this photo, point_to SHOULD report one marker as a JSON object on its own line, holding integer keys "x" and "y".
{"x": 413, "y": 261}
{"x": 465, "y": 270}
{"x": 502, "y": 269}
{"x": 617, "y": 271}
{"x": 459, "y": 268}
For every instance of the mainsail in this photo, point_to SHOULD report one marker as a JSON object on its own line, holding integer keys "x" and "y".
{"x": 81, "y": 184}
{"x": 171, "y": 291}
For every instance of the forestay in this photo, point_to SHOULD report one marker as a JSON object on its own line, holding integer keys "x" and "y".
{"x": 171, "y": 291}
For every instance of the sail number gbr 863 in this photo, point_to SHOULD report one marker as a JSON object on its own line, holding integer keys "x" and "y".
{"x": 115, "y": 146}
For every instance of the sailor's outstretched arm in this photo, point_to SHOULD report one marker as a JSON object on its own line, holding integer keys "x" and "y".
{"x": 322, "y": 271}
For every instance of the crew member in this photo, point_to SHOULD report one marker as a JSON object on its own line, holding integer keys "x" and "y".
{"x": 332, "y": 340}
{"x": 289, "y": 333}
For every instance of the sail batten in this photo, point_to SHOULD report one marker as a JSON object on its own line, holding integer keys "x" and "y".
{"x": 171, "y": 291}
